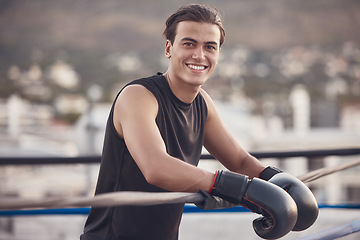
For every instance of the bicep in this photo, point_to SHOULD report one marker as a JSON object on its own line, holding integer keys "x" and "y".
{"x": 134, "y": 118}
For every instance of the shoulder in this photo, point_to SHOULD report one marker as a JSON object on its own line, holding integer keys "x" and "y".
{"x": 135, "y": 94}
{"x": 134, "y": 104}
{"x": 139, "y": 94}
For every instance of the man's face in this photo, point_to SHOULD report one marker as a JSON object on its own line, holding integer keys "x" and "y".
{"x": 194, "y": 53}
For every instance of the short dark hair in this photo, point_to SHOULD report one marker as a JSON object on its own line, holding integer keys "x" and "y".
{"x": 195, "y": 13}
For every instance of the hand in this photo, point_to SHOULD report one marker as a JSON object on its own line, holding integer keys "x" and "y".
{"x": 277, "y": 207}
{"x": 306, "y": 203}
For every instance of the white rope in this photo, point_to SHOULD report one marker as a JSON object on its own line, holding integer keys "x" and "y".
{"x": 139, "y": 198}
{"x": 103, "y": 200}
{"x": 311, "y": 176}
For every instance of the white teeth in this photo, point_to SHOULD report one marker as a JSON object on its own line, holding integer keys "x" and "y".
{"x": 196, "y": 67}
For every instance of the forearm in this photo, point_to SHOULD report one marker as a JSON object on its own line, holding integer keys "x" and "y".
{"x": 250, "y": 166}
{"x": 175, "y": 175}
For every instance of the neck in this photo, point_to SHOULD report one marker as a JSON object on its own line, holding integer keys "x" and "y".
{"x": 185, "y": 92}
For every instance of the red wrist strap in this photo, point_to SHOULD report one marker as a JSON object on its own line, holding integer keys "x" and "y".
{"x": 213, "y": 183}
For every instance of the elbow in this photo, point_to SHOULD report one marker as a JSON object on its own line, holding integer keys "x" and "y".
{"x": 154, "y": 177}
{"x": 158, "y": 172}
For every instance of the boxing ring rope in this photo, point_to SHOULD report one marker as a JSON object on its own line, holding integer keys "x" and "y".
{"x": 140, "y": 198}
{"x": 104, "y": 200}
{"x": 11, "y": 206}
{"x": 97, "y": 159}
{"x": 187, "y": 209}
{"x": 322, "y": 172}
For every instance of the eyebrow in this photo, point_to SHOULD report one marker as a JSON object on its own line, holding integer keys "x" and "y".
{"x": 194, "y": 41}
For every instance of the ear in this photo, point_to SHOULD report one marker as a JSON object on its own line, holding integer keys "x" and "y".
{"x": 168, "y": 46}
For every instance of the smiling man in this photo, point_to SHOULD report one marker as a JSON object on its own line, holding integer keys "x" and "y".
{"x": 193, "y": 56}
{"x": 155, "y": 132}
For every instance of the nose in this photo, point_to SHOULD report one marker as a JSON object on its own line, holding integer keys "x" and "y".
{"x": 198, "y": 54}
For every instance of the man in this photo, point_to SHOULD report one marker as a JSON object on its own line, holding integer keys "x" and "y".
{"x": 155, "y": 133}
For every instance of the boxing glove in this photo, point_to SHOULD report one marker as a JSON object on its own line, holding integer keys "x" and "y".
{"x": 306, "y": 203}
{"x": 277, "y": 207}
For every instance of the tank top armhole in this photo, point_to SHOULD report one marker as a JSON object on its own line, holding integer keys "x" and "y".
{"x": 205, "y": 104}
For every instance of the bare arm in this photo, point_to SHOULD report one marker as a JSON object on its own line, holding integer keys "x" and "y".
{"x": 134, "y": 118}
{"x": 223, "y": 146}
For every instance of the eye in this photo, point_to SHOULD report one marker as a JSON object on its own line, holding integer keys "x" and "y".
{"x": 189, "y": 44}
{"x": 211, "y": 47}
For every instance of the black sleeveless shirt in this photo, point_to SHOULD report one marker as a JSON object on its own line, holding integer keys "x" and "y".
{"x": 182, "y": 128}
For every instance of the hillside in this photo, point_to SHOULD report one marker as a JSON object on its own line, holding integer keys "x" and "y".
{"x": 109, "y": 24}
{"x": 86, "y": 32}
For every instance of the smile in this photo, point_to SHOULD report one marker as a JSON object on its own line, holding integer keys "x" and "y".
{"x": 196, "y": 67}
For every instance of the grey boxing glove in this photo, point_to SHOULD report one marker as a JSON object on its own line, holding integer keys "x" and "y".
{"x": 306, "y": 203}
{"x": 277, "y": 207}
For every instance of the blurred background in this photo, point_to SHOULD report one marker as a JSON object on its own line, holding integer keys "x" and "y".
{"x": 288, "y": 79}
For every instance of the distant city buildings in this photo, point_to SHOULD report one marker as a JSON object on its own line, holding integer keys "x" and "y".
{"x": 271, "y": 102}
